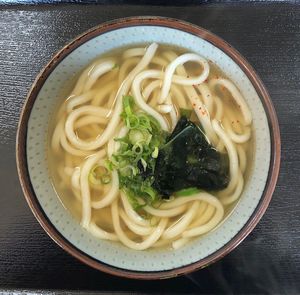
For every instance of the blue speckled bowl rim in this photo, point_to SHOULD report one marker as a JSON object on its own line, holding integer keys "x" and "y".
{"x": 201, "y": 33}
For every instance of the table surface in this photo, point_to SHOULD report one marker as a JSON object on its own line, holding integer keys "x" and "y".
{"x": 268, "y": 35}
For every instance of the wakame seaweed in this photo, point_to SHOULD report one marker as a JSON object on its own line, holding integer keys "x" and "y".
{"x": 188, "y": 160}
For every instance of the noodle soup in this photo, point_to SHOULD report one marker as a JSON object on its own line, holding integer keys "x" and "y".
{"x": 151, "y": 148}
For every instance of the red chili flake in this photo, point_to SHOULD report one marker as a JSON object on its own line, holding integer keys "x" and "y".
{"x": 223, "y": 88}
{"x": 194, "y": 104}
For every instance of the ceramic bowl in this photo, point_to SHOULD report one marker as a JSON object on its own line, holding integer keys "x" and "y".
{"x": 111, "y": 257}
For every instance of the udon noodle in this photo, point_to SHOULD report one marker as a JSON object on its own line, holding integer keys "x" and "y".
{"x": 162, "y": 81}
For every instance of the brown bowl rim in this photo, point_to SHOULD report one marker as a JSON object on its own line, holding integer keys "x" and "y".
{"x": 175, "y": 24}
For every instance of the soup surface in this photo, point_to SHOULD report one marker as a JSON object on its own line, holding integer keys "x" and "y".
{"x": 151, "y": 147}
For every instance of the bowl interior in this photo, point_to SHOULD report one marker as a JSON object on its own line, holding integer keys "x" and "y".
{"x": 116, "y": 254}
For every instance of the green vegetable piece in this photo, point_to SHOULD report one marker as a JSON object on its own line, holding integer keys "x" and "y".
{"x": 144, "y": 163}
{"x": 188, "y": 160}
{"x": 116, "y": 66}
{"x": 185, "y": 112}
{"x": 136, "y": 136}
{"x": 134, "y": 160}
{"x": 155, "y": 153}
{"x": 187, "y": 192}
{"x": 99, "y": 175}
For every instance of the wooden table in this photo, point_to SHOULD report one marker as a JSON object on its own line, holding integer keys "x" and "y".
{"x": 267, "y": 34}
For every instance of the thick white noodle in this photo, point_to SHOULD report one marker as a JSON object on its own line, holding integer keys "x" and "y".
{"x": 150, "y": 88}
{"x": 226, "y": 200}
{"x": 75, "y": 179}
{"x": 123, "y": 131}
{"x": 202, "y": 196}
{"x": 196, "y": 103}
{"x": 161, "y": 243}
{"x": 165, "y": 108}
{"x": 210, "y": 225}
{"x": 102, "y": 93}
{"x": 165, "y": 213}
{"x": 235, "y": 137}
{"x": 70, "y": 122}
{"x": 131, "y": 213}
{"x": 77, "y": 194}
{"x": 97, "y": 72}
{"x": 170, "y": 70}
{"x": 136, "y": 91}
{"x": 181, "y": 225}
{"x": 115, "y": 116}
{"x": 204, "y": 214}
{"x": 173, "y": 113}
{"x": 87, "y": 120}
{"x": 139, "y": 51}
{"x": 219, "y": 108}
{"x": 84, "y": 186}
{"x": 136, "y": 228}
{"x": 133, "y": 52}
{"x": 148, "y": 242}
{"x": 242, "y": 158}
{"x": 127, "y": 64}
{"x": 140, "y": 100}
{"x": 180, "y": 243}
{"x": 232, "y": 154}
{"x": 57, "y": 133}
{"x": 206, "y": 96}
{"x": 98, "y": 232}
{"x": 113, "y": 192}
{"x": 111, "y": 99}
{"x": 112, "y": 145}
{"x": 236, "y": 95}
{"x": 80, "y": 99}
{"x": 77, "y": 90}
{"x": 69, "y": 149}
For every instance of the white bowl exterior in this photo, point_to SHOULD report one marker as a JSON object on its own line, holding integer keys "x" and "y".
{"x": 116, "y": 254}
